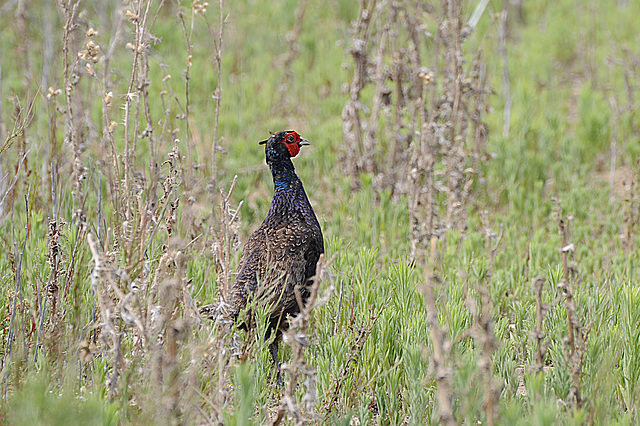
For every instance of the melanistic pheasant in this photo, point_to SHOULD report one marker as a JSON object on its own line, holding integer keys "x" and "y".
{"x": 282, "y": 253}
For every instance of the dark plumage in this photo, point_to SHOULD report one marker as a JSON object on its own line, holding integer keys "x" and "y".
{"x": 283, "y": 252}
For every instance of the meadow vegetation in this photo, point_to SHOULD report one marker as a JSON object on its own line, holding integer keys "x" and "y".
{"x": 474, "y": 167}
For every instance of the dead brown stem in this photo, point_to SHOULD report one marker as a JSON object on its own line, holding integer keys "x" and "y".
{"x": 292, "y": 52}
{"x": 139, "y": 20}
{"x": 564, "y": 284}
{"x": 443, "y": 373}
{"x": 576, "y": 354}
{"x": 541, "y": 349}
{"x": 297, "y": 338}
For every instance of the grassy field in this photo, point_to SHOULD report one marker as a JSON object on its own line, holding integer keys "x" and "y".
{"x": 481, "y": 222}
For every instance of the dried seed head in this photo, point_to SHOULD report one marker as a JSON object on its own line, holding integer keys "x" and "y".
{"x": 92, "y": 48}
{"x": 52, "y": 93}
{"x": 131, "y": 15}
{"x": 90, "y": 53}
{"x": 199, "y": 8}
{"x": 426, "y": 76}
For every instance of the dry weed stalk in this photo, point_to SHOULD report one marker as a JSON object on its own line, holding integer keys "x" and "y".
{"x": 51, "y": 290}
{"x": 138, "y": 17}
{"x": 441, "y": 356}
{"x": 298, "y": 338}
{"x": 77, "y": 128}
{"x": 463, "y": 102}
{"x": 360, "y": 337}
{"x": 217, "y": 42}
{"x": 69, "y": 11}
{"x": 420, "y": 116}
{"x": 187, "y": 77}
{"x": 292, "y": 53}
{"x": 577, "y": 335}
{"x": 351, "y": 122}
{"x": 22, "y": 117}
{"x": 8, "y": 191}
{"x": 541, "y": 347}
{"x": 108, "y": 125}
{"x": 230, "y": 224}
{"x": 630, "y": 65}
{"x": 21, "y": 121}
{"x": 143, "y": 313}
{"x": 483, "y": 330}
{"x": 487, "y": 341}
{"x": 564, "y": 283}
{"x": 22, "y": 31}
{"x": 153, "y": 319}
{"x": 222, "y": 247}
{"x": 223, "y": 242}
{"x": 493, "y": 239}
{"x": 17, "y": 296}
{"x": 632, "y": 210}
{"x": 143, "y": 84}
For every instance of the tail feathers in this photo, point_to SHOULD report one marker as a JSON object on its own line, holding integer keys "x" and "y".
{"x": 218, "y": 311}
{"x": 222, "y": 313}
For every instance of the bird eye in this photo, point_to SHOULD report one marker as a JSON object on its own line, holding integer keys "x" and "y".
{"x": 290, "y": 139}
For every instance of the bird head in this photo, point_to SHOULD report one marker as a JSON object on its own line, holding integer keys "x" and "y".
{"x": 283, "y": 145}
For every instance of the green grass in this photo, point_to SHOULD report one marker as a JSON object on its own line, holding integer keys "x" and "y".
{"x": 562, "y": 123}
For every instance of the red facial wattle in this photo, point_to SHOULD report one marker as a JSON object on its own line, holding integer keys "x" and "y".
{"x": 294, "y": 146}
{"x": 294, "y": 149}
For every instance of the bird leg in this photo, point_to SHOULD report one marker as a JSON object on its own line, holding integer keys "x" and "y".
{"x": 273, "y": 349}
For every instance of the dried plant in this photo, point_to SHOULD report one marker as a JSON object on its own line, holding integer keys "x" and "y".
{"x": 441, "y": 356}
{"x": 217, "y": 94}
{"x": 421, "y": 116}
{"x": 143, "y": 311}
{"x": 351, "y": 121}
{"x": 297, "y": 336}
{"x": 486, "y": 340}
{"x": 292, "y": 53}
{"x": 577, "y": 335}
{"x": 69, "y": 11}
{"x": 360, "y": 333}
{"x": 539, "y": 336}
{"x": 16, "y": 304}
{"x": 621, "y": 108}
{"x": 223, "y": 244}
{"x": 632, "y": 210}
{"x": 483, "y": 331}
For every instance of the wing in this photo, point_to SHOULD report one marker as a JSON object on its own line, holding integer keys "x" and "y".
{"x": 250, "y": 268}
{"x": 274, "y": 261}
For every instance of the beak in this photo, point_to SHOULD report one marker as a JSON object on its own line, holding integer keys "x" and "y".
{"x": 304, "y": 142}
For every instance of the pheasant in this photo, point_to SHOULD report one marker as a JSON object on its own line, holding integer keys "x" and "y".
{"x": 281, "y": 255}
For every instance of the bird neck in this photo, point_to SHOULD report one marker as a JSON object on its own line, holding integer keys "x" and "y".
{"x": 284, "y": 174}
{"x": 289, "y": 194}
